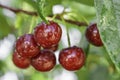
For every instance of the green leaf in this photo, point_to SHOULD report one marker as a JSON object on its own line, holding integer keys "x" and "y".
{"x": 37, "y": 76}
{"x": 109, "y": 26}
{"x": 23, "y": 24}
{"x": 80, "y": 12}
{"x": 48, "y": 6}
{"x": 4, "y": 26}
{"x": 47, "y": 10}
{"x": 31, "y": 2}
{"x": 87, "y": 2}
{"x": 99, "y": 73}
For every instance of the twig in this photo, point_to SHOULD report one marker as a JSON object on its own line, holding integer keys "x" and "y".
{"x": 35, "y": 14}
{"x": 18, "y": 10}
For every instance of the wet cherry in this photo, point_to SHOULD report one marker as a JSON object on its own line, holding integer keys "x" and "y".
{"x": 44, "y": 61}
{"x": 19, "y": 61}
{"x": 47, "y": 35}
{"x": 72, "y": 58}
{"x": 93, "y": 36}
{"x": 26, "y": 46}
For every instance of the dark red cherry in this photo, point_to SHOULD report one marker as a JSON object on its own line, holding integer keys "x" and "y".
{"x": 53, "y": 48}
{"x": 20, "y": 62}
{"x": 72, "y": 58}
{"x": 47, "y": 35}
{"x": 93, "y": 36}
{"x": 26, "y": 46}
{"x": 44, "y": 61}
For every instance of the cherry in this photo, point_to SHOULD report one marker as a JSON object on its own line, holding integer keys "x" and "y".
{"x": 44, "y": 61}
{"x": 93, "y": 36}
{"x": 47, "y": 35}
{"x": 26, "y": 46}
{"x": 72, "y": 58}
{"x": 53, "y": 48}
{"x": 19, "y": 61}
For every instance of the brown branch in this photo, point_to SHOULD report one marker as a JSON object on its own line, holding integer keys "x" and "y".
{"x": 18, "y": 10}
{"x": 35, "y": 14}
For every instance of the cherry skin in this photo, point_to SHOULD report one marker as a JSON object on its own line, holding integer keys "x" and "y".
{"x": 26, "y": 46}
{"x": 72, "y": 58}
{"x": 20, "y": 62}
{"x": 47, "y": 35}
{"x": 93, "y": 36}
{"x": 44, "y": 61}
{"x": 53, "y": 48}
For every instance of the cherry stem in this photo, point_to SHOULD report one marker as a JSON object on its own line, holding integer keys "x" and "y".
{"x": 87, "y": 22}
{"x": 40, "y": 4}
{"x": 87, "y": 50}
{"x": 32, "y": 24}
{"x": 67, "y": 29}
{"x": 54, "y": 16}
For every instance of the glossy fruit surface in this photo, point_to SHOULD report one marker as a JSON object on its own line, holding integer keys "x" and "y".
{"x": 53, "y": 48}
{"x": 44, "y": 61}
{"x": 72, "y": 58}
{"x": 93, "y": 36}
{"x": 47, "y": 35}
{"x": 26, "y": 46}
{"x": 19, "y": 61}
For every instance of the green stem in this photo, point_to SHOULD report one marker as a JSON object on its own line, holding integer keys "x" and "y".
{"x": 39, "y": 10}
{"x": 67, "y": 29}
{"x": 32, "y": 24}
{"x": 54, "y": 17}
{"x": 85, "y": 20}
{"x": 83, "y": 17}
{"x": 87, "y": 50}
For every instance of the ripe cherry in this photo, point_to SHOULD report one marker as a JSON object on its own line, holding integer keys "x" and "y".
{"x": 93, "y": 36}
{"x": 26, "y": 46}
{"x": 19, "y": 61}
{"x": 53, "y": 48}
{"x": 72, "y": 58}
{"x": 47, "y": 35}
{"x": 44, "y": 61}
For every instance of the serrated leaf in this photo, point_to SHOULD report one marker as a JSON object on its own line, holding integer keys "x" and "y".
{"x": 109, "y": 27}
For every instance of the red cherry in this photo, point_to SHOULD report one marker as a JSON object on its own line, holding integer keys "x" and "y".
{"x": 53, "y": 48}
{"x": 47, "y": 35}
{"x": 72, "y": 58}
{"x": 19, "y": 61}
{"x": 44, "y": 61}
{"x": 26, "y": 46}
{"x": 93, "y": 36}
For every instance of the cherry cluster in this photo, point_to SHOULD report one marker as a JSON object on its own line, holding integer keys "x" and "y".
{"x": 37, "y": 49}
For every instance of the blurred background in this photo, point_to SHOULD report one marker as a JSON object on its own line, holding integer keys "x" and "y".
{"x": 98, "y": 66}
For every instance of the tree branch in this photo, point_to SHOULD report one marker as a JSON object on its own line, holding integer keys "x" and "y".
{"x": 35, "y": 14}
{"x": 18, "y": 10}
